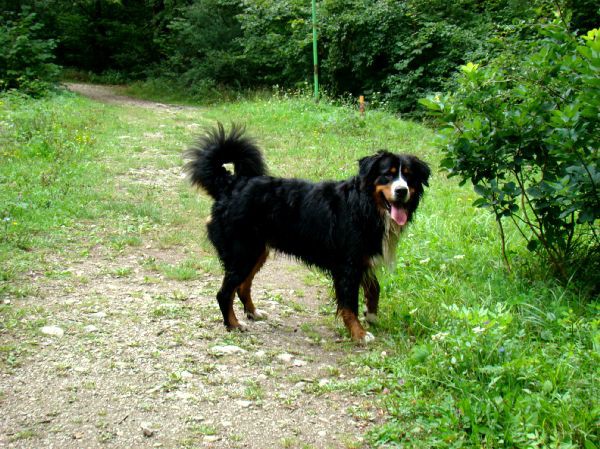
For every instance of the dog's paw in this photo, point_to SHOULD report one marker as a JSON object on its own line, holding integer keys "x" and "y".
{"x": 371, "y": 318}
{"x": 257, "y": 315}
{"x": 368, "y": 338}
{"x": 241, "y": 327}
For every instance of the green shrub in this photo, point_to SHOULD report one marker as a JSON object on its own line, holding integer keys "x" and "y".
{"x": 25, "y": 60}
{"x": 525, "y": 130}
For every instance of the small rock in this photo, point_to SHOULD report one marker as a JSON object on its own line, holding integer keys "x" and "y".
{"x": 211, "y": 438}
{"x": 285, "y": 357}
{"x": 54, "y": 331}
{"x": 183, "y": 395}
{"x": 226, "y": 350}
{"x": 244, "y": 404}
{"x": 299, "y": 363}
{"x": 147, "y": 429}
{"x": 323, "y": 382}
{"x": 186, "y": 375}
{"x": 98, "y": 315}
{"x": 90, "y": 329}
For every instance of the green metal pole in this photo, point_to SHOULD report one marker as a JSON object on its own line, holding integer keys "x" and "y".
{"x": 315, "y": 57}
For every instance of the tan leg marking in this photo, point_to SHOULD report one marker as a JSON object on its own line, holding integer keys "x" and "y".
{"x": 244, "y": 290}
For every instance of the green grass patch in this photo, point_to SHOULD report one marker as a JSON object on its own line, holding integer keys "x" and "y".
{"x": 468, "y": 355}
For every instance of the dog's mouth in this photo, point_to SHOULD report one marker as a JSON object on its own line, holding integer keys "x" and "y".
{"x": 398, "y": 213}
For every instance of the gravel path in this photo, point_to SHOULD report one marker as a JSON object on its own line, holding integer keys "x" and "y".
{"x": 131, "y": 358}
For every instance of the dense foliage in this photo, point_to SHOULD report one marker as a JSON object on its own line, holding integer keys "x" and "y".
{"x": 25, "y": 59}
{"x": 526, "y": 132}
{"x": 394, "y": 51}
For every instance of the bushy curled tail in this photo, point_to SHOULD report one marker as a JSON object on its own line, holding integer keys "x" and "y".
{"x": 216, "y": 148}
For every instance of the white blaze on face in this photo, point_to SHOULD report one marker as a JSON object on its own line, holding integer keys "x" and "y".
{"x": 398, "y": 213}
{"x": 398, "y": 184}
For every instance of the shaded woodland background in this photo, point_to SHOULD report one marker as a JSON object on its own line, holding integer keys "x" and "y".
{"x": 392, "y": 51}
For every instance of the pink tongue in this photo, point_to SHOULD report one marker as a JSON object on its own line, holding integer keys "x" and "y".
{"x": 399, "y": 215}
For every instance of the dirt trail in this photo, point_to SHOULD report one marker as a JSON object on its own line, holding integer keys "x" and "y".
{"x": 144, "y": 360}
{"x": 107, "y": 94}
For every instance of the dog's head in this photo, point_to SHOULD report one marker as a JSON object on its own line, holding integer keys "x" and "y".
{"x": 396, "y": 182}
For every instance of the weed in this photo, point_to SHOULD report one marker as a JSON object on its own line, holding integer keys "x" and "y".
{"x": 254, "y": 391}
{"x": 25, "y": 434}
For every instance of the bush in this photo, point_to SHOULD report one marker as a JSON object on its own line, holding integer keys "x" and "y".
{"x": 25, "y": 61}
{"x": 525, "y": 130}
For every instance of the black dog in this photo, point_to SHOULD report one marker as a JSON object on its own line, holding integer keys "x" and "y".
{"x": 342, "y": 227}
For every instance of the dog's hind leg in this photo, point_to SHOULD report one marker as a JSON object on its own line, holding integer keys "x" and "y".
{"x": 371, "y": 289}
{"x": 225, "y": 298}
{"x": 239, "y": 264}
{"x": 244, "y": 290}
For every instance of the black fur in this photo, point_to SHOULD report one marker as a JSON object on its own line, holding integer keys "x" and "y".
{"x": 338, "y": 226}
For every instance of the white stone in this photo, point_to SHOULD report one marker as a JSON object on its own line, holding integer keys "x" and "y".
{"x": 147, "y": 429}
{"x": 226, "y": 350}
{"x": 54, "y": 331}
{"x": 285, "y": 357}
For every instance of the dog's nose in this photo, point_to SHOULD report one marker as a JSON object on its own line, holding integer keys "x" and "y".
{"x": 401, "y": 193}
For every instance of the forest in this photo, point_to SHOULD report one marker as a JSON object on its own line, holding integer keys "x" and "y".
{"x": 392, "y": 51}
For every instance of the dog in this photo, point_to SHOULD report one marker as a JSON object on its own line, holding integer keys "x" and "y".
{"x": 345, "y": 228}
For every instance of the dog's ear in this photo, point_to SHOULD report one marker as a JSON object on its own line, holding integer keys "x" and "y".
{"x": 421, "y": 169}
{"x": 366, "y": 164}
{"x": 366, "y": 168}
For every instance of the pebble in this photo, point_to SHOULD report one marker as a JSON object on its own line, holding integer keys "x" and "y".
{"x": 285, "y": 357}
{"x": 147, "y": 429}
{"x": 226, "y": 350}
{"x": 98, "y": 315}
{"x": 54, "y": 331}
{"x": 244, "y": 404}
{"x": 299, "y": 363}
{"x": 90, "y": 329}
{"x": 323, "y": 382}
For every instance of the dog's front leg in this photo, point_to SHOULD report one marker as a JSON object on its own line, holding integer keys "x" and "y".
{"x": 371, "y": 289}
{"x": 346, "y": 289}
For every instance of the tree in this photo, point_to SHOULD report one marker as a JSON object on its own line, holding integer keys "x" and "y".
{"x": 25, "y": 60}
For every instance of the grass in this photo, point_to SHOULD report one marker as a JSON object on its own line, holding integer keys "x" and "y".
{"x": 468, "y": 355}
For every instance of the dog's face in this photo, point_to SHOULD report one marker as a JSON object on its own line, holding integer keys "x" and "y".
{"x": 396, "y": 182}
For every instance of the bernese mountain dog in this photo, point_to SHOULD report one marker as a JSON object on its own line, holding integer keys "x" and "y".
{"x": 345, "y": 227}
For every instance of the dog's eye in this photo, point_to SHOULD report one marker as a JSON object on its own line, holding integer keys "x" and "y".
{"x": 384, "y": 179}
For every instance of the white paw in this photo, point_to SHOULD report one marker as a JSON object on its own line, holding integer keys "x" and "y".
{"x": 258, "y": 315}
{"x": 368, "y": 338}
{"x": 371, "y": 318}
{"x": 241, "y": 327}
